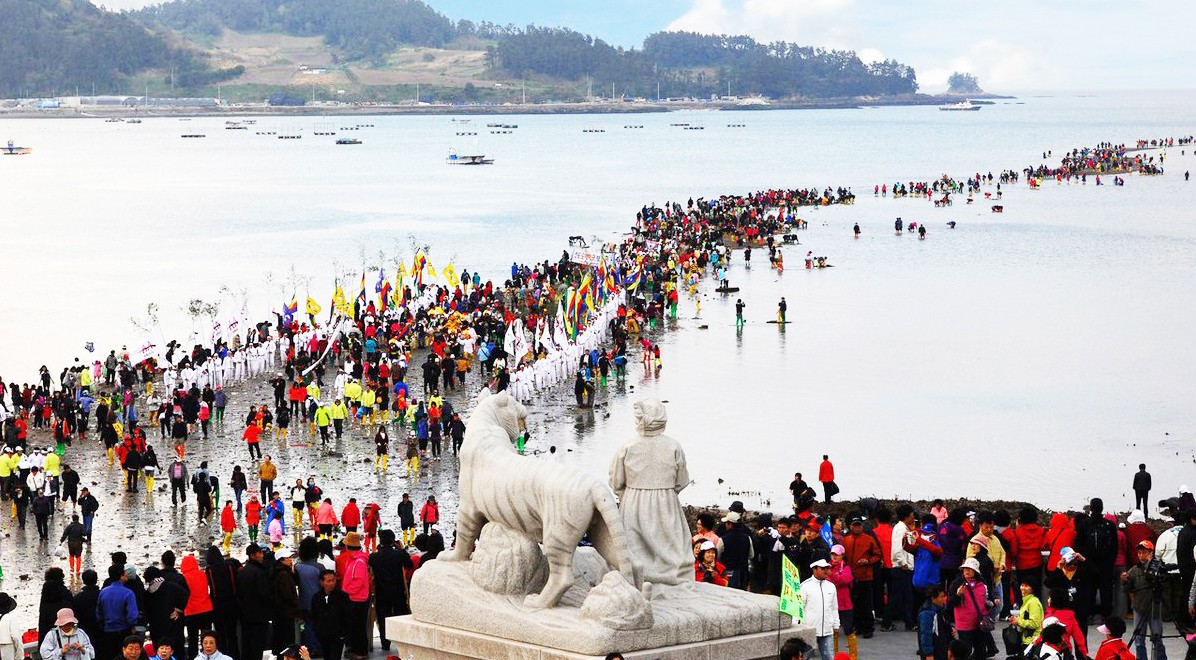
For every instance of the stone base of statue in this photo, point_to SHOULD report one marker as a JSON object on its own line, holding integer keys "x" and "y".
{"x": 482, "y": 602}
{"x": 424, "y": 641}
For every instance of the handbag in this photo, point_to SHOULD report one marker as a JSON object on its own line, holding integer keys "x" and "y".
{"x": 1012, "y": 637}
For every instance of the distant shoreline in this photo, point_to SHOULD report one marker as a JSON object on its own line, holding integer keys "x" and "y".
{"x": 583, "y": 108}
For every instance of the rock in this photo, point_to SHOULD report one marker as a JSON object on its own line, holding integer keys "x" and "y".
{"x": 506, "y": 562}
{"x": 616, "y": 604}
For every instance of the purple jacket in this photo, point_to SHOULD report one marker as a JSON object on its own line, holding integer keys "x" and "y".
{"x": 953, "y": 539}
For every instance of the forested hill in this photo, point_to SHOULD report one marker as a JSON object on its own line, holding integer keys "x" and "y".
{"x": 361, "y": 29}
{"x": 55, "y": 46}
{"x": 689, "y": 64}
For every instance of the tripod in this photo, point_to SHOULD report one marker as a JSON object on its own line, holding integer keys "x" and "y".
{"x": 1145, "y": 628}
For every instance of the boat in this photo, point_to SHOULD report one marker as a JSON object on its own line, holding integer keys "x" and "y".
{"x": 192, "y": 135}
{"x": 348, "y": 141}
{"x": 964, "y": 105}
{"x": 132, "y": 121}
{"x": 455, "y": 159}
{"x": 12, "y": 150}
{"x": 113, "y": 120}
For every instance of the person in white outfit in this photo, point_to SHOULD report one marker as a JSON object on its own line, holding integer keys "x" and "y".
{"x": 821, "y": 606}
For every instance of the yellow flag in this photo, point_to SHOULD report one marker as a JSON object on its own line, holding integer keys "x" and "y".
{"x": 431, "y": 269}
{"x": 340, "y": 302}
{"x": 313, "y": 307}
{"x": 450, "y": 274}
{"x": 401, "y": 275}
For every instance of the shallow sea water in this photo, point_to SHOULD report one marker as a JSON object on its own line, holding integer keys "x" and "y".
{"x": 1038, "y": 354}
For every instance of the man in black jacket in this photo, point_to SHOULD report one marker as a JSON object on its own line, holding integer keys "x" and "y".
{"x": 1096, "y": 541}
{"x": 390, "y": 586}
{"x": 330, "y": 614}
{"x": 170, "y": 574}
{"x": 165, "y": 603}
{"x": 88, "y": 505}
{"x": 737, "y": 550}
{"x": 1184, "y": 544}
{"x": 1142, "y": 489}
{"x": 222, "y": 579}
{"x": 287, "y": 612}
{"x": 255, "y": 602}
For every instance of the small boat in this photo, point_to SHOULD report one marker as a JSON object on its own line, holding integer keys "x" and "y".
{"x": 132, "y": 121}
{"x": 593, "y": 130}
{"x": 348, "y": 141}
{"x": 193, "y": 135}
{"x": 113, "y": 120}
{"x": 964, "y": 105}
{"x": 11, "y": 150}
{"x": 456, "y": 159}
{"x": 290, "y": 137}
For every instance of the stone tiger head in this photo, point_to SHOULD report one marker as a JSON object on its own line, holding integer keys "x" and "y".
{"x": 502, "y": 410}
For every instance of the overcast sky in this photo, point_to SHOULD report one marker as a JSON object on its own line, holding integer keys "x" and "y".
{"x": 1011, "y": 45}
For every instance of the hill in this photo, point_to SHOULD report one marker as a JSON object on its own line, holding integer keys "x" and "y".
{"x": 53, "y": 46}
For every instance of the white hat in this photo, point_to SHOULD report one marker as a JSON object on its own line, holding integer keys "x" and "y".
{"x": 707, "y": 545}
{"x": 1051, "y": 621}
{"x": 972, "y": 563}
{"x": 820, "y": 563}
{"x": 1102, "y": 629}
{"x": 1185, "y": 489}
{"x": 732, "y": 516}
{"x": 283, "y": 553}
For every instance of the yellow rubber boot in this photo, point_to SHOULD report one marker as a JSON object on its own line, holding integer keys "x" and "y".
{"x": 853, "y": 647}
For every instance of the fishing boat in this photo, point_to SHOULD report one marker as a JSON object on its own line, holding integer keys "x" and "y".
{"x": 12, "y": 150}
{"x": 964, "y": 105}
{"x": 348, "y": 141}
{"x": 456, "y": 159}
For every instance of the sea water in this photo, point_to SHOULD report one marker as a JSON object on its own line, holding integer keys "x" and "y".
{"x": 1040, "y": 354}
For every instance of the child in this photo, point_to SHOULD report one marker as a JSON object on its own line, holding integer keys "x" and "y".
{"x": 228, "y": 524}
{"x": 253, "y": 516}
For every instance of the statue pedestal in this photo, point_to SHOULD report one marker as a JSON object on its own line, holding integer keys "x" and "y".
{"x": 425, "y": 641}
{"x": 446, "y": 604}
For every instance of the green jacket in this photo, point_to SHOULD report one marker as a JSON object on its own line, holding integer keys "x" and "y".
{"x": 1029, "y": 619}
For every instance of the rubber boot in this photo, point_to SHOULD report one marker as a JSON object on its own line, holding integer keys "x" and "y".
{"x": 836, "y": 643}
{"x": 853, "y": 647}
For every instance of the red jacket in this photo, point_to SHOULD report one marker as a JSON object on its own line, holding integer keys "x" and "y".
{"x": 197, "y": 581}
{"x": 351, "y": 515}
{"x": 430, "y": 513}
{"x": 862, "y": 547}
{"x": 1029, "y": 541}
{"x": 826, "y": 472}
{"x": 717, "y": 576}
{"x": 1136, "y": 533}
{"x": 253, "y": 512}
{"x": 228, "y": 519}
{"x": 1061, "y": 535}
{"x": 884, "y": 534}
{"x": 1073, "y": 634}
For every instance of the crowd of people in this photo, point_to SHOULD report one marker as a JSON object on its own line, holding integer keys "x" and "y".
{"x": 382, "y": 367}
{"x": 958, "y": 576}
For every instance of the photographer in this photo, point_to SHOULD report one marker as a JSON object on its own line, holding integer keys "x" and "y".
{"x": 1144, "y": 583}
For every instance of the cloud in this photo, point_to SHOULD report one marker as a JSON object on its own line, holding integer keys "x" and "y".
{"x": 1010, "y": 46}
{"x": 801, "y": 21}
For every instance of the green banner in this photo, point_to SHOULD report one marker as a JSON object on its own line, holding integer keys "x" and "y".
{"x": 791, "y": 590}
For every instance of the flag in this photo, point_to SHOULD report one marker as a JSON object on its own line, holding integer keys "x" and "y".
{"x": 571, "y": 313}
{"x": 313, "y": 307}
{"x": 384, "y": 295}
{"x": 216, "y": 331}
{"x": 790, "y": 602}
{"x": 586, "y": 303}
{"x": 288, "y": 311}
{"x": 450, "y": 275}
{"x": 361, "y": 296}
{"x": 417, "y": 267}
{"x": 400, "y": 275}
{"x": 431, "y": 269}
{"x": 381, "y": 278}
{"x": 632, "y": 280}
{"x": 340, "y": 302}
{"x": 558, "y": 327}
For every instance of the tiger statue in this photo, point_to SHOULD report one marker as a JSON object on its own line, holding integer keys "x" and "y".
{"x": 552, "y": 504}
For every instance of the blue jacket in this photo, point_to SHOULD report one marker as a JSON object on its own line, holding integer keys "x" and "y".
{"x": 116, "y": 608}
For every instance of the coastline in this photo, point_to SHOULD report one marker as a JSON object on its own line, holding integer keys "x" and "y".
{"x": 411, "y": 109}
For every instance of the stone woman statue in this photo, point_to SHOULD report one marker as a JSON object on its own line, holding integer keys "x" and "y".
{"x": 646, "y": 474}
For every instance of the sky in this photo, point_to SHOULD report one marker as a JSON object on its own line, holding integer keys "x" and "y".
{"x": 1011, "y": 46}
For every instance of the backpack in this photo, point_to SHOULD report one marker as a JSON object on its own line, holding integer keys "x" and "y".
{"x": 1035, "y": 653}
{"x": 176, "y": 471}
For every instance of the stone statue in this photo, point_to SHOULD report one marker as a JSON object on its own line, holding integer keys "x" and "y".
{"x": 647, "y": 474}
{"x": 551, "y": 504}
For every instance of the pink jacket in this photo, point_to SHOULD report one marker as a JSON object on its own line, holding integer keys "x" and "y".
{"x": 356, "y": 582}
{"x": 841, "y": 577}
{"x": 326, "y": 515}
{"x": 970, "y": 609}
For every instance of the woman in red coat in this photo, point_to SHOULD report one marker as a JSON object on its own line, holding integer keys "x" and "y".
{"x": 371, "y": 522}
{"x": 253, "y": 516}
{"x": 228, "y": 525}
{"x": 707, "y": 567}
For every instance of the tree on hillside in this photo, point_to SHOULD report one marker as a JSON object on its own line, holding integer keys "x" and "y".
{"x": 963, "y": 83}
